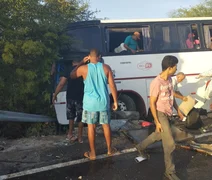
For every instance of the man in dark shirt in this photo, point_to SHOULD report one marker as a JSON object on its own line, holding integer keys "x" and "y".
{"x": 74, "y": 98}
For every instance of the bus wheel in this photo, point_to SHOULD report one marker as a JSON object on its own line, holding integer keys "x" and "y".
{"x": 126, "y": 103}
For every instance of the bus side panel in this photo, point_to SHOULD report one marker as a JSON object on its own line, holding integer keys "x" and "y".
{"x": 134, "y": 86}
{"x": 60, "y": 108}
{"x": 148, "y": 66}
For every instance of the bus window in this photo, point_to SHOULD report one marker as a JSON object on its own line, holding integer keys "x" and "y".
{"x": 165, "y": 37}
{"x": 208, "y": 36}
{"x": 85, "y": 39}
{"x": 188, "y": 36}
{"x": 116, "y": 37}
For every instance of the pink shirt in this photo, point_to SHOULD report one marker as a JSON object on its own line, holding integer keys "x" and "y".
{"x": 189, "y": 44}
{"x": 163, "y": 90}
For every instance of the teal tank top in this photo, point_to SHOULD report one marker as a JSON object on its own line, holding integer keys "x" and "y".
{"x": 96, "y": 95}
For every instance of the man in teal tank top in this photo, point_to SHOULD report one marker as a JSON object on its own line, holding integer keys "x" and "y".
{"x": 96, "y": 100}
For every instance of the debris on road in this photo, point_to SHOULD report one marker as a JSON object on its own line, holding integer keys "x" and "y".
{"x": 196, "y": 148}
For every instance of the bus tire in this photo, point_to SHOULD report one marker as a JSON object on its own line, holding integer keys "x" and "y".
{"x": 126, "y": 103}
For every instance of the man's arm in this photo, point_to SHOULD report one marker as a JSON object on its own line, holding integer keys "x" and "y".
{"x": 128, "y": 48}
{"x": 205, "y": 74}
{"x": 153, "y": 109}
{"x": 112, "y": 87}
{"x": 78, "y": 70}
{"x": 178, "y": 110}
{"x": 59, "y": 87}
{"x": 178, "y": 95}
{"x": 154, "y": 94}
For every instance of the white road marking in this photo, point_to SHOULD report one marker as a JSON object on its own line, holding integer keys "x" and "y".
{"x": 202, "y": 135}
{"x": 60, "y": 165}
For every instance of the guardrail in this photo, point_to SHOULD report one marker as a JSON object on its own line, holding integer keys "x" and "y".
{"x": 10, "y": 116}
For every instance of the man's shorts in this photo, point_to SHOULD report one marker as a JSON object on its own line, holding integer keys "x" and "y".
{"x": 74, "y": 110}
{"x": 102, "y": 117}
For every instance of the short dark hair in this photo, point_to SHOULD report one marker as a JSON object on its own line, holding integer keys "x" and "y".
{"x": 95, "y": 52}
{"x": 169, "y": 61}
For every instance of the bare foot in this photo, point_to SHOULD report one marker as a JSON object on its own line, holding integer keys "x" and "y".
{"x": 112, "y": 151}
{"x": 89, "y": 156}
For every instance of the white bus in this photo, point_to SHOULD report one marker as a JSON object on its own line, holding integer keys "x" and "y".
{"x": 134, "y": 72}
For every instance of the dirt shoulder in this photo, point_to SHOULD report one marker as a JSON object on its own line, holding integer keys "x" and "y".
{"x": 34, "y": 152}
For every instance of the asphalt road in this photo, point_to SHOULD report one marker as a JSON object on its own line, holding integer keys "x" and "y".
{"x": 189, "y": 165}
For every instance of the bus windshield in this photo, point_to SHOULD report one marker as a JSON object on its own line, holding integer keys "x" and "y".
{"x": 86, "y": 38}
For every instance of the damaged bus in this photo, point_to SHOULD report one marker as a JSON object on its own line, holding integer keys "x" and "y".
{"x": 133, "y": 73}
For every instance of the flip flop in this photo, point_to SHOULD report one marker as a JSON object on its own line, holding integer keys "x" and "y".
{"x": 71, "y": 138}
{"x": 113, "y": 151}
{"x": 81, "y": 141}
{"x": 68, "y": 137}
{"x": 87, "y": 155}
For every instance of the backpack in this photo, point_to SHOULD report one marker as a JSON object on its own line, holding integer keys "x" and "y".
{"x": 193, "y": 120}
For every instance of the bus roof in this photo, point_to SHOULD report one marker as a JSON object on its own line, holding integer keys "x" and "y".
{"x": 119, "y": 21}
{"x": 155, "y": 20}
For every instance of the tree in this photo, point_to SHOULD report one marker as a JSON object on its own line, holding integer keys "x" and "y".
{"x": 204, "y": 9}
{"x": 32, "y": 37}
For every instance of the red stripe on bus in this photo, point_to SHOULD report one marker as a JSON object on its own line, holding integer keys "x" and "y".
{"x": 61, "y": 103}
{"x": 196, "y": 74}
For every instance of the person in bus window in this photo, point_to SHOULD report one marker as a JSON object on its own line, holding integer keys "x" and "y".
{"x": 205, "y": 74}
{"x": 175, "y": 81}
{"x": 74, "y": 96}
{"x": 208, "y": 90}
{"x": 131, "y": 43}
{"x": 96, "y": 100}
{"x": 189, "y": 41}
{"x": 161, "y": 104}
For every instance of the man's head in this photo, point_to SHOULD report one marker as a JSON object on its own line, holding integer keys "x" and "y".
{"x": 94, "y": 55}
{"x": 136, "y": 35}
{"x": 180, "y": 77}
{"x": 169, "y": 64}
{"x": 191, "y": 35}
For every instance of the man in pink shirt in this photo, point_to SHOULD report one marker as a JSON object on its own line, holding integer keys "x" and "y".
{"x": 189, "y": 41}
{"x": 161, "y": 104}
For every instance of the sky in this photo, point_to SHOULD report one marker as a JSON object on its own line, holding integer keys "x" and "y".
{"x": 138, "y": 9}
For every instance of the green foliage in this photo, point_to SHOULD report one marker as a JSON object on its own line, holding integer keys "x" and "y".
{"x": 41, "y": 129}
{"x": 32, "y": 37}
{"x": 204, "y": 9}
{"x": 14, "y": 130}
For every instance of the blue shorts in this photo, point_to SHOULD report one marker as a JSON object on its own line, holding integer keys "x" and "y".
{"x": 102, "y": 117}
{"x": 74, "y": 110}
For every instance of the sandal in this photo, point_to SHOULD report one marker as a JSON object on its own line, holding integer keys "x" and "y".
{"x": 71, "y": 138}
{"x": 80, "y": 141}
{"x": 87, "y": 155}
{"x": 113, "y": 151}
